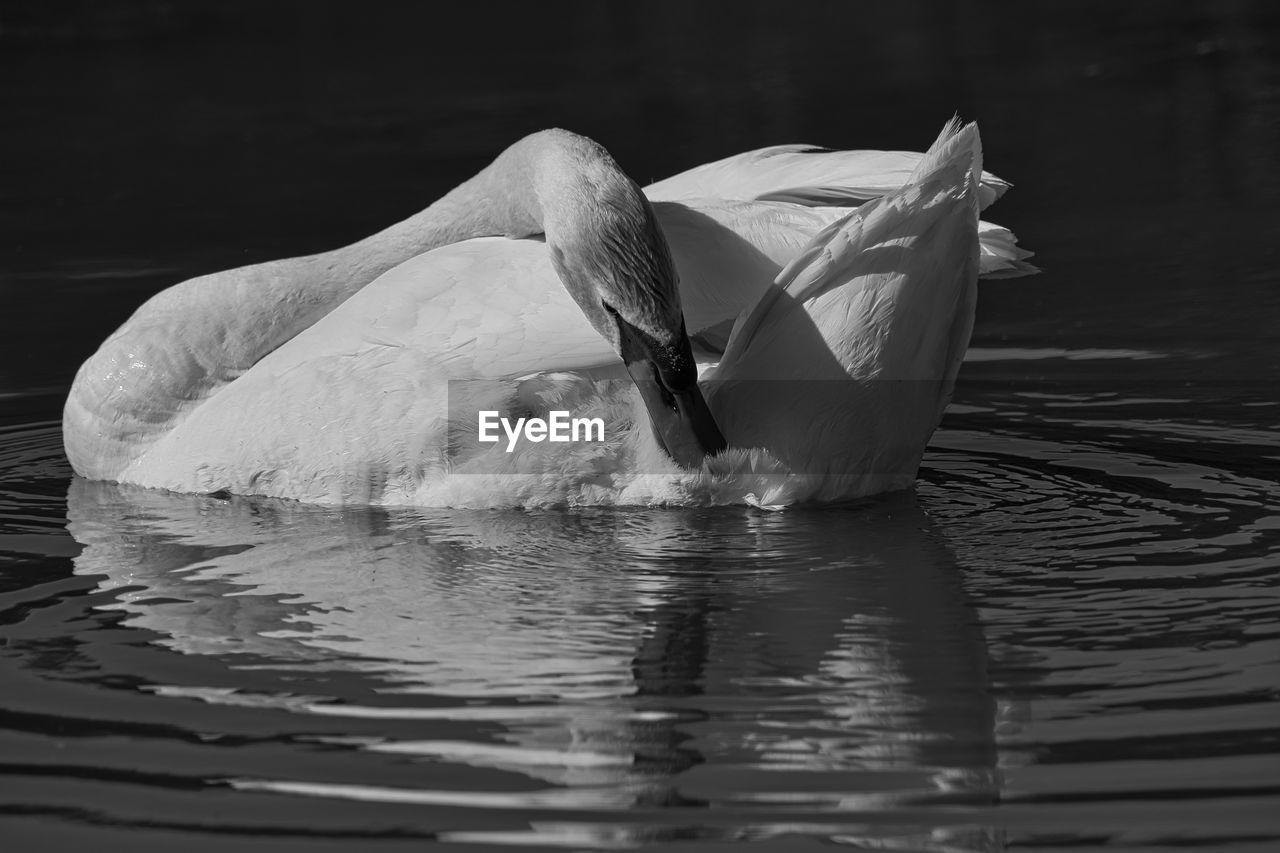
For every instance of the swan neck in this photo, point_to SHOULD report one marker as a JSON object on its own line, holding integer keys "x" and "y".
{"x": 604, "y": 240}
{"x": 543, "y": 184}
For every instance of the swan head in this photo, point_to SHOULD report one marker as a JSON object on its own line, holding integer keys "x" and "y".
{"x": 613, "y": 259}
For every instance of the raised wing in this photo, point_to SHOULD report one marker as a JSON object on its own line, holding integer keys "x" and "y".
{"x": 804, "y": 174}
{"x": 882, "y": 283}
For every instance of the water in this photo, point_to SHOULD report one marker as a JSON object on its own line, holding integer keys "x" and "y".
{"x": 1066, "y": 637}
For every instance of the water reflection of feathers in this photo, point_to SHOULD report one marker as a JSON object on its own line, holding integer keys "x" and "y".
{"x": 652, "y": 643}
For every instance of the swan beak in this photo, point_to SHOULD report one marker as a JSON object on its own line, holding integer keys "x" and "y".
{"x": 667, "y": 378}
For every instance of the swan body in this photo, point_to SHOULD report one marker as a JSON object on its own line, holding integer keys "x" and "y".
{"x": 828, "y": 331}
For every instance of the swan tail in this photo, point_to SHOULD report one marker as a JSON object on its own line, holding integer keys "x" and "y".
{"x": 806, "y": 175}
{"x": 999, "y": 255}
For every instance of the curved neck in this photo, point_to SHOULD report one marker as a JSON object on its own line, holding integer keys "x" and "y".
{"x": 549, "y": 182}
{"x": 531, "y": 188}
{"x": 603, "y": 236}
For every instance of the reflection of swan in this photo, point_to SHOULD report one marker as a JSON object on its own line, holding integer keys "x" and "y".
{"x": 242, "y": 383}
{"x": 702, "y": 652}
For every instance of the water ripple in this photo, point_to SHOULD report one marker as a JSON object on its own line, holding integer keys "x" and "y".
{"x": 1075, "y": 607}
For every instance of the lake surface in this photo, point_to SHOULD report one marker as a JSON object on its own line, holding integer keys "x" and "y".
{"x": 1067, "y": 636}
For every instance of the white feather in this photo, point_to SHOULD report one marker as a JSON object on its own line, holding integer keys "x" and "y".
{"x": 354, "y": 406}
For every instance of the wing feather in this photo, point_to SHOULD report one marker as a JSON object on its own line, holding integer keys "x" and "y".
{"x": 806, "y": 175}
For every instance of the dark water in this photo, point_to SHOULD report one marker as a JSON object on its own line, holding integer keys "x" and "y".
{"x": 1067, "y": 636}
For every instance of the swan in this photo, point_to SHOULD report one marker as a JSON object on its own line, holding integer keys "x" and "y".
{"x": 815, "y": 334}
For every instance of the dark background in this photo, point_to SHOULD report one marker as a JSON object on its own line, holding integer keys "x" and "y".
{"x": 147, "y": 142}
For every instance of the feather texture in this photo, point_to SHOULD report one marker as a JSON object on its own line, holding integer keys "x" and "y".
{"x": 804, "y": 174}
{"x": 838, "y": 331}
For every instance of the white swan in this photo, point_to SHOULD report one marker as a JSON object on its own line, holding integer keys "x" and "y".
{"x": 265, "y": 381}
